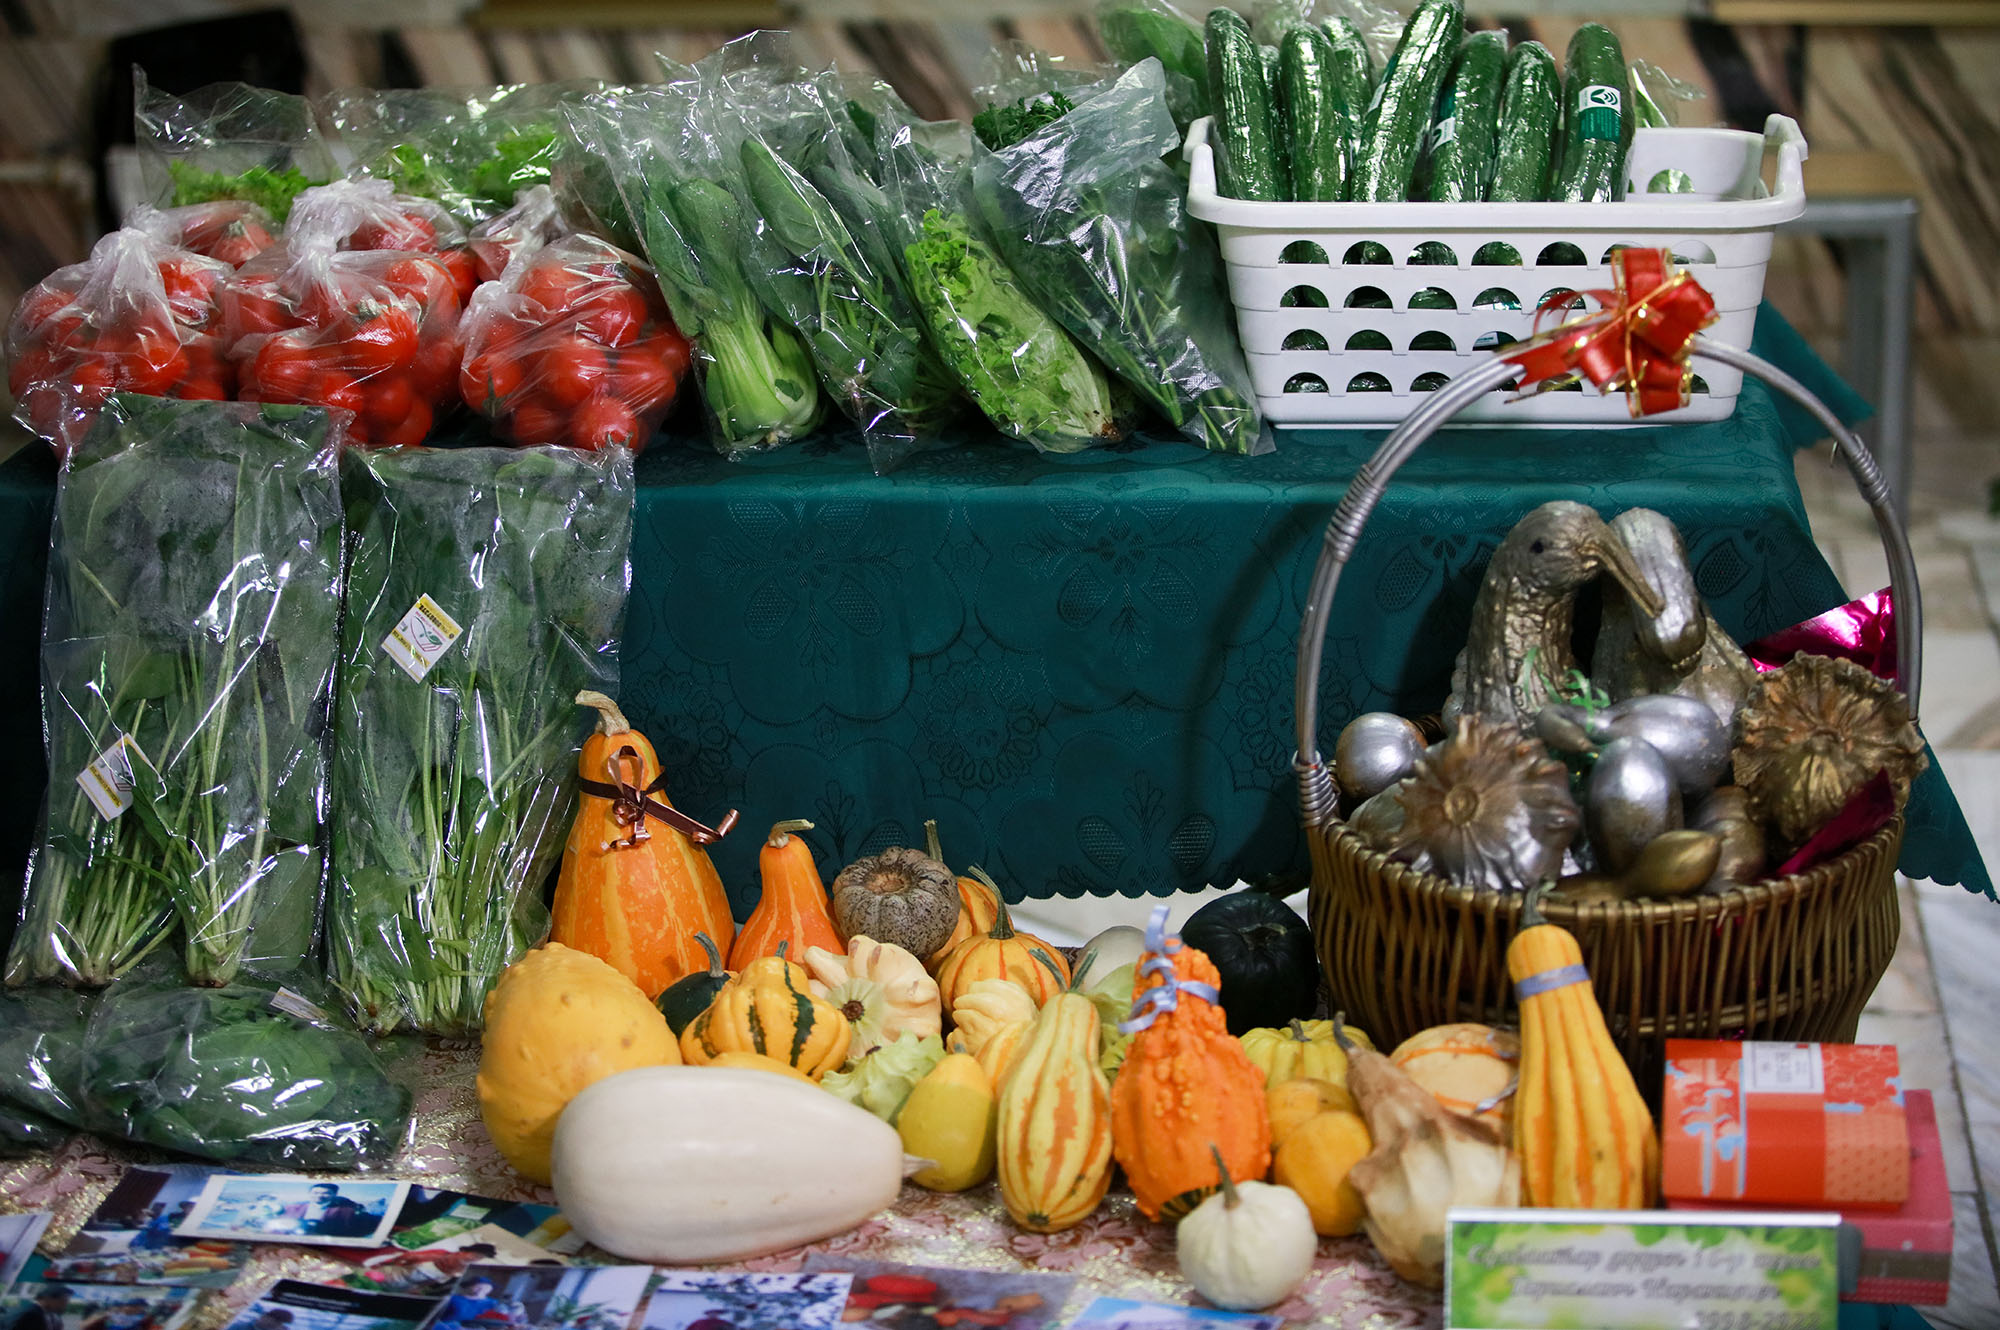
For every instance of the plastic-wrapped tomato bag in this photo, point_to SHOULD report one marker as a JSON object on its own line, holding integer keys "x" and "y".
{"x": 372, "y": 331}
{"x": 231, "y": 230}
{"x": 573, "y": 346}
{"x": 136, "y": 316}
{"x": 532, "y": 222}
{"x": 370, "y": 214}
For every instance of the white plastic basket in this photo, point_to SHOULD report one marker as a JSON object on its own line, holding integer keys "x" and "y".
{"x": 1314, "y": 321}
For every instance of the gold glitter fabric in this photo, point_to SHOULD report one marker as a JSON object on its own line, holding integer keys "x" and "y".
{"x": 1116, "y": 1252}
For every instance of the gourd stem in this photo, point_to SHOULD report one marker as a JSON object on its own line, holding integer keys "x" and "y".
{"x": 610, "y": 720}
{"x": 715, "y": 970}
{"x": 1230, "y": 1197}
{"x": 1531, "y": 906}
{"x": 1340, "y": 1032}
{"x": 1003, "y": 922}
{"x": 932, "y": 845}
{"x": 1299, "y": 1032}
{"x": 782, "y": 832}
{"x": 782, "y": 944}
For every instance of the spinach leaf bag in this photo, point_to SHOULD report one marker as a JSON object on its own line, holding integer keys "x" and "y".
{"x": 1091, "y": 222}
{"x": 187, "y": 665}
{"x": 487, "y": 586}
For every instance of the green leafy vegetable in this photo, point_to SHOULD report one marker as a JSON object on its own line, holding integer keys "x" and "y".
{"x": 194, "y": 585}
{"x": 452, "y": 794}
{"x": 1136, "y": 29}
{"x": 1004, "y": 126}
{"x": 881, "y": 1082}
{"x": 273, "y": 191}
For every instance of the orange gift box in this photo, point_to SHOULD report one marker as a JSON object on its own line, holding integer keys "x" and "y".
{"x": 1784, "y": 1124}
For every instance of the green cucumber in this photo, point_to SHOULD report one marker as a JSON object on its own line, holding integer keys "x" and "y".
{"x": 1464, "y": 146}
{"x": 1246, "y": 141}
{"x": 1405, "y": 100}
{"x": 1594, "y": 121}
{"x": 1353, "y": 67}
{"x": 1530, "y": 116}
{"x": 1315, "y": 117}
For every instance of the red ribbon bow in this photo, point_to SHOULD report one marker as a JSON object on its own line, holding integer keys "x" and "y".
{"x": 1638, "y": 341}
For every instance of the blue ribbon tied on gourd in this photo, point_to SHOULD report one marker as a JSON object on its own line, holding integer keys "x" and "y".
{"x": 1164, "y": 996}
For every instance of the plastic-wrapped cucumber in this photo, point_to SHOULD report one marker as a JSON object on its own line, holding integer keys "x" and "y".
{"x": 1594, "y": 117}
{"x": 1529, "y": 119}
{"x": 1404, "y": 101}
{"x": 1353, "y": 66}
{"x": 1465, "y": 143}
{"x": 1246, "y": 139}
{"x": 1315, "y": 116}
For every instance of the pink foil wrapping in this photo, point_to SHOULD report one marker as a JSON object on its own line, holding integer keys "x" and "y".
{"x": 1863, "y": 631}
{"x": 1865, "y": 813}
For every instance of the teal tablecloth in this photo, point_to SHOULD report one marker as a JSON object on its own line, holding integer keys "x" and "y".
{"x": 1082, "y": 667}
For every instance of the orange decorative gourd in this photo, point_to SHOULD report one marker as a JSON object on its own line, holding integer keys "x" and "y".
{"x": 634, "y": 895}
{"x": 1186, "y": 1084}
{"x": 793, "y": 907}
{"x": 1002, "y": 953}
{"x": 1054, "y": 1134}
{"x": 978, "y": 903}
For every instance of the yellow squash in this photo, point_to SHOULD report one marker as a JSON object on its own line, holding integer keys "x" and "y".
{"x": 1314, "y": 1160}
{"x": 1054, "y": 1148}
{"x": 951, "y": 1119}
{"x": 1583, "y": 1134}
{"x": 1303, "y": 1048}
{"x": 1290, "y": 1103}
{"x": 769, "y": 1009}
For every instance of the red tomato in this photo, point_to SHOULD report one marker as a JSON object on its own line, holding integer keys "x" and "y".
{"x": 235, "y": 243}
{"x": 90, "y": 372}
{"x": 395, "y": 230}
{"x": 553, "y": 286}
{"x": 612, "y": 314}
{"x": 435, "y": 369}
{"x": 412, "y": 429}
{"x": 379, "y": 338}
{"x": 332, "y": 388}
{"x": 390, "y": 399}
{"x": 201, "y": 388}
{"x": 569, "y": 369}
{"x": 419, "y": 276}
{"x": 532, "y": 426}
{"x": 190, "y": 291}
{"x": 464, "y": 271}
{"x": 39, "y": 304}
{"x": 282, "y": 371}
{"x": 490, "y": 381}
{"x": 603, "y": 421}
{"x": 643, "y": 379}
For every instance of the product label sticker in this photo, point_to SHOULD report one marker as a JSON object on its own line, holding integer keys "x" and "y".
{"x": 1782, "y": 1069}
{"x": 1598, "y": 107}
{"x": 292, "y": 1004}
{"x": 1444, "y": 132}
{"x": 421, "y": 637}
{"x": 107, "y": 781}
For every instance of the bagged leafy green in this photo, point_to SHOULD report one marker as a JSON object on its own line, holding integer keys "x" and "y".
{"x": 664, "y": 156}
{"x": 1093, "y": 224}
{"x": 41, "y": 1054}
{"x": 26, "y": 1133}
{"x": 228, "y": 141}
{"x": 240, "y": 1074}
{"x": 1135, "y": 29}
{"x": 585, "y": 192}
{"x": 470, "y": 149}
{"x": 187, "y": 664}
{"x": 486, "y": 588}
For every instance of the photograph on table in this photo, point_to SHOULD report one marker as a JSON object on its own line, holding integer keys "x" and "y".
{"x": 51, "y": 1305}
{"x": 430, "y": 1215}
{"x": 544, "y": 1297}
{"x": 920, "y": 1297}
{"x": 130, "y": 1238}
{"x": 1125, "y": 1314}
{"x": 293, "y": 1304}
{"x": 712, "y": 1300}
{"x": 433, "y": 1269}
{"x": 18, "y": 1236}
{"x": 278, "y": 1208}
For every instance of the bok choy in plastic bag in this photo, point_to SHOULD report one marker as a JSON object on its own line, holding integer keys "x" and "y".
{"x": 187, "y": 663}
{"x": 1092, "y": 223}
{"x": 486, "y": 590}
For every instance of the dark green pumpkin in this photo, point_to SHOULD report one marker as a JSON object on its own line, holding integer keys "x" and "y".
{"x": 1265, "y": 954}
{"x": 690, "y": 995}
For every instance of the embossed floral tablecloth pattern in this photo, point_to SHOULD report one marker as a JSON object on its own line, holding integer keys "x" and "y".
{"x": 1082, "y": 667}
{"x": 1115, "y": 1252}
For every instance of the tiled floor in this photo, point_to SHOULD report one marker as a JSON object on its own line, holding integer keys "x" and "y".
{"x": 1941, "y": 997}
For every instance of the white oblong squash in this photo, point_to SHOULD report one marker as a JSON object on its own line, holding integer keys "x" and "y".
{"x": 717, "y": 1164}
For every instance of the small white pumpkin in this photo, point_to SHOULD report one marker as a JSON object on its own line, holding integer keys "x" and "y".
{"x": 883, "y": 991}
{"x": 1117, "y": 946}
{"x": 1248, "y": 1246}
{"x": 717, "y": 1164}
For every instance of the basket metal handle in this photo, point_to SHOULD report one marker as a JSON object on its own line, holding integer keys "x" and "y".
{"x": 1319, "y": 804}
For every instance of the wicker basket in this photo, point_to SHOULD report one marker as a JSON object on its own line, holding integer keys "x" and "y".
{"x": 1791, "y": 959}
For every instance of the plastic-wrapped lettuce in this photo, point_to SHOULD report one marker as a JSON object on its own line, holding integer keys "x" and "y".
{"x": 1093, "y": 225}
{"x": 41, "y": 1054}
{"x": 881, "y": 1082}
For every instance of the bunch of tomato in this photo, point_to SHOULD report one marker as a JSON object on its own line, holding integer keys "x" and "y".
{"x": 373, "y": 332}
{"x": 574, "y": 346}
{"x": 230, "y": 230}
{"x": 370, "y": 215}
{"x": 136, "y": 316}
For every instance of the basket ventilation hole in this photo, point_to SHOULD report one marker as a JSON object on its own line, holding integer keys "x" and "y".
{"x": 1573, "y": 386}
{"x": 1303, "y": 251}
{"x": 1304, "y": 296}
{"x": 1669, "y": 181}
{"x": 1369, "y": 340}
{"x": 1433, "y": 341}
{"x": 1692, "y": 251}
{"x": 1429, "y": 383}
{"x": 1575, "y": 301}
{"x": 1433, "y": 297}
{"x": 1497, "y": 254}
{"x": 1367, "y": 251}
{"x": 1368, "y": 383}
{"x": 1562, "y": 254}
{"x": 1305, "y": 383}
{"x": 1493, "y": 341}
{"x": 1697, "y": 384}
{"x": 1611, "y": 255}
{"x": 1496, "y": 297}
{"x": 1434, "y": 254}
{"x": 1369, "y": 297}
{"x": 1510, "y": 385}
{"x": 1305, "y": 339}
